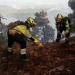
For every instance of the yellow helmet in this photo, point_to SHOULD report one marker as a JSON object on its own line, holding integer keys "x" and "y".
{"x": 58, "y": 18}
{"x": 31, "y": 21}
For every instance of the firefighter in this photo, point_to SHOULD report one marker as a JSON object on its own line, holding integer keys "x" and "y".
{"x": 20, "y": 33}
{"x": 63, "y": 27}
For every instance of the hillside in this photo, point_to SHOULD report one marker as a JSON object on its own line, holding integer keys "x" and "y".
{"x": 52, "y": 59}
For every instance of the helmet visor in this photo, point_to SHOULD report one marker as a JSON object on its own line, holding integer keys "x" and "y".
{"x": 58, "y": 19}
{"x": 33, "y": 24}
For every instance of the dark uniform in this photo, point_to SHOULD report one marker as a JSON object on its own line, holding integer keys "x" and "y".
{"x": 62, "y": 24}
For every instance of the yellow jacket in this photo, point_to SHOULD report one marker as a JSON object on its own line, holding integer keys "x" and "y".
{"x": 21, "y": 29}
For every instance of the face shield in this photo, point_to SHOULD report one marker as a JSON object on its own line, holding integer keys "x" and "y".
{"x": 58, "y": 18}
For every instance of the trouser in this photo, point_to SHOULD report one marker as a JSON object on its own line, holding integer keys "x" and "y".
{"x": 59, "y": 34}
{"x": 19, "y": 39}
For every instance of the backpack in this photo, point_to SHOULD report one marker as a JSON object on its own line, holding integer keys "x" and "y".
{"x": 16, "y": 23}
{"x": 66, "y": 18}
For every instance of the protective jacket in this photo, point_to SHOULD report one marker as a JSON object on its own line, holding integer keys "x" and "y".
{"x": 21, "y": 29}
{"x": 64, "y": 24}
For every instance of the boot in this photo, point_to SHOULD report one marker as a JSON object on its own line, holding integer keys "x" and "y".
{"x": 23, "y": 57}
{"x": 6, "y": 53}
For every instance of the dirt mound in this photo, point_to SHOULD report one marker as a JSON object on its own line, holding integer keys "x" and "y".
{"x": 52, "y": 59}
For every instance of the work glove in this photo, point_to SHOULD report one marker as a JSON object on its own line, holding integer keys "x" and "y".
{"x": 63, "y": 35}
{"x": 58, "y": 32}
{"x": 38, "y": 43}
{"x": 12, "y": 32}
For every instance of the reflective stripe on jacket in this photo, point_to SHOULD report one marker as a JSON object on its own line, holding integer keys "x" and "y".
{"x": 67, "y": 26}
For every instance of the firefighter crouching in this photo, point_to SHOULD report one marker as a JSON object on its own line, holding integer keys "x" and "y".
{"x": 62, "y": 24}
{"x": 20, "y": 33}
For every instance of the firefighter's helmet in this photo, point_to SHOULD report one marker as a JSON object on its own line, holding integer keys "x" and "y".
{"x": 59, "y": 18}
{"x": 31, "y": 21}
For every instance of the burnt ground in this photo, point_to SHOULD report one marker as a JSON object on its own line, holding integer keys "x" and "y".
{"x": 52, "y": 59}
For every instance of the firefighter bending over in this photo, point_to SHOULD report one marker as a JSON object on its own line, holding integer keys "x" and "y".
{"x": 62, "y": 24}
{"x": 20, "y": 33}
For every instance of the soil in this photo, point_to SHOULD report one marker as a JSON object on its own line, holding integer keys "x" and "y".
{"x": 51, "y": 59}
